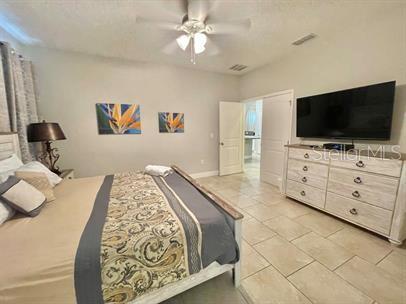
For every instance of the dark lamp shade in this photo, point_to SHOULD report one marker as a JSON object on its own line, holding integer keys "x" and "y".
{"x": 44, "y": 131}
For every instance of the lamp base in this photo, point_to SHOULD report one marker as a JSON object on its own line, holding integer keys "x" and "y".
{"x": 49, "y": 157}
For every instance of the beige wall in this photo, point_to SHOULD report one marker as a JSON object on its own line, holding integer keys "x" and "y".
{"x": 373, "y": 52}
{"x": 70, "y": 85}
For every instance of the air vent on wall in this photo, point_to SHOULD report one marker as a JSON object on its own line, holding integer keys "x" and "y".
{"x": 238, "y": 67}
{"x": 304, "y": 39}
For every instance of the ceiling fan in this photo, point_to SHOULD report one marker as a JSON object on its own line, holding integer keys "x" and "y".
{"x": 195, "y": 27}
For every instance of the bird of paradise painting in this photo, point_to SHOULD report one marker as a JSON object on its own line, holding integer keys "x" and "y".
{"x": 115, "y": 118}
{"x": 171, "y": 122}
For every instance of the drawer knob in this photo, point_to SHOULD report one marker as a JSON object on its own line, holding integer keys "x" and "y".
{"x": 360, "y": 164}
{"x": 302, "y": 193}
{"x": 304, "y": 179}
{"x": 356, "y": 194}
{"x": 357, "y": 180}
{"x": 306, "y": 155}
{"x": 305, "y": 168}
{"x": 353, "y": 211}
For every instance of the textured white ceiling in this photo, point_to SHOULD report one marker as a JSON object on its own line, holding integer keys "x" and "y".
{"x": 109, "y": 28}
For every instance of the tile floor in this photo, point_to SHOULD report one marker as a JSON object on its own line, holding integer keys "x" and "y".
{"x": 292, "y": 253}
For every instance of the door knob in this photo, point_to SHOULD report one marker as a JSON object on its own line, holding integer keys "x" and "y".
{"x": 222, "y": 143}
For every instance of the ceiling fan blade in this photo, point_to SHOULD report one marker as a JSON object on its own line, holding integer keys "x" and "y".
{"x": 163, "y": 25}
{"x": 198, "y": 9}
{"x": 230, "y": 27}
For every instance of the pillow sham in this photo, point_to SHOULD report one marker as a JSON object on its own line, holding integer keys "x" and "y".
{"x": 11, "y": 163}
{"x": 6, "y": 212}
{"x": 4, "y": 175}
{"x": 36, "y": 166}
{"x": 21, "y": 196}
{"x": 8, "y": 166}
{"x": 40, "y": 181}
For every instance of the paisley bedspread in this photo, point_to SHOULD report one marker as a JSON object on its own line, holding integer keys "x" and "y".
{"x": 145, "y": 233}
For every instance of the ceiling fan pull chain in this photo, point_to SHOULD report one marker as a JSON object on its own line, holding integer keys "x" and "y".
{"x": 192, "y": 49}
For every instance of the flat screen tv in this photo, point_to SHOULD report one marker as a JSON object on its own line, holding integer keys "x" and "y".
{"x": 359, "y": 113}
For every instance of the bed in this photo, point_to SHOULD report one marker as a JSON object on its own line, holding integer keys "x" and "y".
{"x": 122, "y": 238}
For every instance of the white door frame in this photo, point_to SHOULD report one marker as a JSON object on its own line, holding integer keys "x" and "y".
{"x": 293, "y": 102}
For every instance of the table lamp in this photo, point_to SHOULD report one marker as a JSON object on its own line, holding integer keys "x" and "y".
{"x": 46, "y": 132}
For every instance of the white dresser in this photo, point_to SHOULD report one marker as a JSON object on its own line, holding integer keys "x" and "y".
{"x": 367, "y": 190}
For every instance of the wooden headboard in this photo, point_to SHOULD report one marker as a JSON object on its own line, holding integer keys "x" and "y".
{"x": 9, "y": 145}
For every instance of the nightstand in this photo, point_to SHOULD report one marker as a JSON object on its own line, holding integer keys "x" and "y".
{"x": 67, "y": 174}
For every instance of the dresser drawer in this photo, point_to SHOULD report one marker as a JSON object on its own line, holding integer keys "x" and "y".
{"x": 374, "y": 189}
{"x": 312, "y": 174}
{"x": 391, "y": 167}
{"x": 307, "y": 194}
{"x": 375, "y": 218}
{"x": 309, "y": 155}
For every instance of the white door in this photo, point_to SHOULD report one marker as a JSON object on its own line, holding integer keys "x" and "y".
{"x": 231, "y": 137}
{"x": 276, "y": 133}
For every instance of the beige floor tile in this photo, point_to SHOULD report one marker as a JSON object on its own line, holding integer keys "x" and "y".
{"x": 269, "y": 287}
{"x": 216, "y": 290}
{"x": 239, "y": 185}
{"x": 291, "y": 209}
{"x": 228, "y": 193}
{"x": 363, "y": 244}
{"x": 373, "y": 281}
{"x": 322, "y": 286}
{"x": 254, "y": 231}
{"x": 286, "y": 227}
{"x": 401, "y": 249}
{"x": 283, "y": 255}
{"x": 269, "y": 198}
{"x": 243, "y": 201}
{"x": 323, "y": 250}
{"x": 261, "y": 212}
{"x": 395, "y": 264}
{"x": 216, "y": 188}
{"x": 250, "y": 190}
{"x": 320, "y": 223}
{"x": 246, "y": 249}
{"x": 251, "y": 260}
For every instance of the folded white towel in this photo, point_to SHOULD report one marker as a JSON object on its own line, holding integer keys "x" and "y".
{"x": 158, "y": 170}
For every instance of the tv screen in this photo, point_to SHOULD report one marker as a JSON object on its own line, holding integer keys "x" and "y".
{"x": 359, "y": 113}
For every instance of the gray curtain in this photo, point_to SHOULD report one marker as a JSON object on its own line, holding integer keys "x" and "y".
{"x": 18, "y": 102}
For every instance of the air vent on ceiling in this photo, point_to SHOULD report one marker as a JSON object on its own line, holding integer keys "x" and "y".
{"x": 304, "y": 39}
{"x": 238, "y": 67}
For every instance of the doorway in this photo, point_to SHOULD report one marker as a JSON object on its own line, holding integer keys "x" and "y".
{"x": 252, "y": 136}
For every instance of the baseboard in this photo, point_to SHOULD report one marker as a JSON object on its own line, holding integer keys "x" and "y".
{"x": 204, "y": 174}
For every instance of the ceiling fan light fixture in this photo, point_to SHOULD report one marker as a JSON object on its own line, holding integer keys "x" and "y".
{"x": 200, "y": 40}
{"x": 199, "y": 49}
{"x": 183, "y": 41}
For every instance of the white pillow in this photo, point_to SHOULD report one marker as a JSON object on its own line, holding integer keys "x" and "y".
{"x": 35, "y": 166}
{"x": 10, "y": 164}
{"x": 6, "y": 212}
{"x": 4, "y": 175}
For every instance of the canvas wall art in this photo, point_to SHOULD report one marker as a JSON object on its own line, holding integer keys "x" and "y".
{"x": 115, "y": 118}
{"x": 171, "y": 122}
